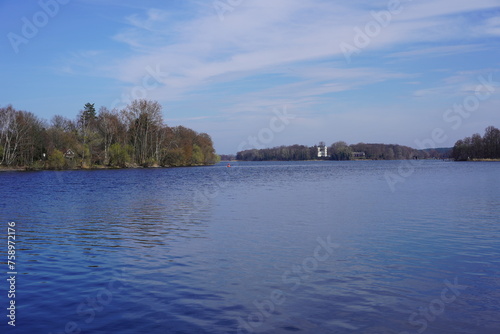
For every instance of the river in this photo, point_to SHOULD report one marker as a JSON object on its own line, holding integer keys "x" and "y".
{"x": 260, "y": 247}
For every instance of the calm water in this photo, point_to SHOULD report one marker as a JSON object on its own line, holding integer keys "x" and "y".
{"x": 271, "y": 247}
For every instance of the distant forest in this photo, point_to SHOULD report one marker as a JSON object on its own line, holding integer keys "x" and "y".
{"x": 134, "y": 136}
{"x": 477, "y": 147}
{"x": 342, "y": 151}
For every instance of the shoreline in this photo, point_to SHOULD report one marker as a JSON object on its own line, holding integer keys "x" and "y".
{"x": 484, "y": 160}
{"x": 99, "y": 167}
{"x": 134, "y": 166}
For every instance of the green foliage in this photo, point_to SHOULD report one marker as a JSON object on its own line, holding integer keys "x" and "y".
{"x": 211, "y": 157}
{"x": 39, "y": 164}
{"x": 173, "y": 157}
{"x": 56, "y": 160}
{"x": 85, "y": 155}
{"x": 340, "y": 151}
{"x": 88, "y": 114}
{"x": 197, "y": 156}
{"x": 119, "y": 155}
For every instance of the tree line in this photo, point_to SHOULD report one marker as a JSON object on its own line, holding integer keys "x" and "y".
{"x": 341, "y": 151}
{"x": 477, "y": 147}
{"x": 134, "y": 136}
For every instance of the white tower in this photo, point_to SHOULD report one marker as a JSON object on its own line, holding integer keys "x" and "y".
{"x": 322, "y": 150}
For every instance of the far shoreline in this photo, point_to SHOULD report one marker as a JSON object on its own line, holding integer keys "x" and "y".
{"x": 482, "y": 160}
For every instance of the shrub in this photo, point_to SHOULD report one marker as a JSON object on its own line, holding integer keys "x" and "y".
{"x": 119, "y": 155}
{"x": 56, "y": 160}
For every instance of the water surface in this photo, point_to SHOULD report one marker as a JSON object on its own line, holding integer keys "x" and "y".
{"x": 265, "y": 247}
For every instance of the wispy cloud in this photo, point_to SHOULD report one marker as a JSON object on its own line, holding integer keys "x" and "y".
{"x": 492, "y": 26}
{"x": 461, "y": 83}
{"x": 259, "y": 36}
{"x": 270, "y": 53}
{"x": 439, "y": 51}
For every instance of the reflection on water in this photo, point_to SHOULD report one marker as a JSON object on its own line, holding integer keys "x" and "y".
{"x": 239, "y": 250}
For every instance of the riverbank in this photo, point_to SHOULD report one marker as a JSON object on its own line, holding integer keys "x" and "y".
{"x": 96, "y": 167}
{"x": 12, "y": 169}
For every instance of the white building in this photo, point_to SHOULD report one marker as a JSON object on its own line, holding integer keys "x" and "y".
{"x": 322, "y": 151}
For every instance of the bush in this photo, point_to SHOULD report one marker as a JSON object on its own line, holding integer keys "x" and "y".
{"x": 119, "y": 155}
{"x": 172, "y": 157}
{"x": 56, "y": 160}
{"x": 197, "y": 156}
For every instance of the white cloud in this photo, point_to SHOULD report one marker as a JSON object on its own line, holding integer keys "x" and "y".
{"x": 260, "y": 35}
{"x": 270, "y": 53}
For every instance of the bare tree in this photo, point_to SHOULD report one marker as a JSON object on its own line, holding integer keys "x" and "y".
{"x": 19, "y": 136}
{"x": 110, "y": 126}
{"x": 144, "y": 121}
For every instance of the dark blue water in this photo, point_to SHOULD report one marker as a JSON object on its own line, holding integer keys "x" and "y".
{"x": 270, "y": 247}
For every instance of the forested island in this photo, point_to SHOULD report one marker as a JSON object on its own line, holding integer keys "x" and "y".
{"x": 476, "y": 147}
{"x": 133, "y": 137}
{"x": 342, "y": 151}
{"x": 471, "y": 148}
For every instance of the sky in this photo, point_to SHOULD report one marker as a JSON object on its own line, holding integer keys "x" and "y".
{"x": 261, "y": 73}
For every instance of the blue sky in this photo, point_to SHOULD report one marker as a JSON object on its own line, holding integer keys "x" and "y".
{"x": 360, "y": 71}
